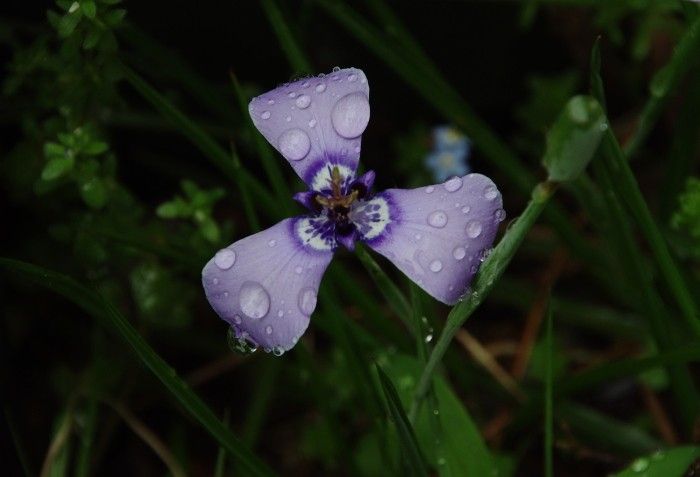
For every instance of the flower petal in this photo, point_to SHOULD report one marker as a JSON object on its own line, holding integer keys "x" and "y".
{"x": 437, "y": 235}
{"x": 315, "y": 122}
{"x": 265, "y": 285}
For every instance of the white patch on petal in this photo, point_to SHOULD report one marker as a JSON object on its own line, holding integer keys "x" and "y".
{"x": 308, "y": 231}
{"x": 371, "y": 217}
{"x": 322, "y": 179}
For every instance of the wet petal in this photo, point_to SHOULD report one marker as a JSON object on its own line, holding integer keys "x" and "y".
{"x": 265, "y": 285}
{"x": 316, "y": 122}
{"x": 437, "y": 235}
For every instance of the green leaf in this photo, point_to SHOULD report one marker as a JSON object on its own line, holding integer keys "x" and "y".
{"x": 574, "y": 138}
{"x": 67, "y": 24}
{"x": 91, "y": 39}
{"x": 109, "y": 317}
{"x": 210, "y": 230}
{"x": 407, "y": 438}
{"x": 57, "y": 167}
{"x": 462, "y": 447}
{"x": 88, "y": 7}
{"x": 170, "y": 210}
{"x": 666, "y": 463}
{"x": 94, "y": 193}
{"x": 52, "y": 149}
{"x": 94, "y": 148}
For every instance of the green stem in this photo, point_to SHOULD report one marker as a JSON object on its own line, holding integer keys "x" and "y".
{"x": 492, "y": 268}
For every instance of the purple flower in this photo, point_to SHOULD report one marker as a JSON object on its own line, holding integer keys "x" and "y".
{"x": 265, "y": 285}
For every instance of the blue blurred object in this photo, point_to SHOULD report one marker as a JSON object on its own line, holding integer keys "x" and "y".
{"x": 450, "y": 152}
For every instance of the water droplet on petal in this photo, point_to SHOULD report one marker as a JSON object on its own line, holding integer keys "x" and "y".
{"x": 268, "y": 330}
{"x": 336, "y": 69}
{"x": 320, "y": 88}
{"x": 307, "y": 301}
{"x": 312, "y": 123}
{"x": 299, "y": 270}
{"x": 435, "y": 266}
{"x": 350, "y": 115}
{"x": 272, "y": 243}
{"x": 215, "y": 281}
{"x": 292, "y": 94}
{"x": 417, "y": 236}
{"x": 473, "y": 229}
{"x": 437, "y": 219}
{"x": 294, "y": 144}
{"x": 270, "y": 101}
{"x": 280, "y": 313}
{"x": 429, "y": 189}
{"x": 466, "y": 209}
{"x": 303, "y": 101}
{"x": 254, "y": 300}
{"x": 265, "y": 115}
{"x": 453, "y": 184}
{"x": 352, "y": 77}
{"x": 490, "y": 192}
{"x": 499, "y": 215}
{"x": 277, "y": 351}
{"x": 225, "y": 258}
{"x": 458, "y": 253}
{"x": 288, "y": 119}
{"x": 237, "y": 319}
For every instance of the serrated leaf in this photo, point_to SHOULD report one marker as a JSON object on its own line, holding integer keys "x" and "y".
{"x": 57, "y": 167}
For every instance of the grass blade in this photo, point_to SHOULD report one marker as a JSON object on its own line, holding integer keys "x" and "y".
{"x": 407, "y": 437}
{"x": 548, "y": 400}
{"x": 297, "y": 60}
{"x": 108, "y": 316}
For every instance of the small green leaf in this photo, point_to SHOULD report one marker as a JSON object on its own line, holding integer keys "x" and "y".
{"x": 95, "y": 148}
{"x": 210, "y": 230}
{"x": 57, "y": 167}
{"x": 91, "y": 39}
{"x": 574, "y": 138}
{"x": 94, "y": 193}
{"x": 664, "y": 463}
{"x": 115, "y": 17}
{"x": 52, "y": 149}
{"x": 89, "y": 9}
{"x": 171, "y": 210}
{"x": 67, "y": 24}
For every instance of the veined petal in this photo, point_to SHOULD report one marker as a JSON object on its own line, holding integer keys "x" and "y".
{"x": 437, "y": 235}
{"x": 316, "y": 122}
{"x": 265, "y": 285}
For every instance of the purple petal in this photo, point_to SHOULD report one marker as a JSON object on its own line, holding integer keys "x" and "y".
{"x": 437, "y": 235}
{"x": 265, "y": 285}
{"x": 316, "y": 121}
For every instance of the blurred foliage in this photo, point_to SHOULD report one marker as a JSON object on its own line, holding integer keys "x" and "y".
{"x": 97, "y": 185}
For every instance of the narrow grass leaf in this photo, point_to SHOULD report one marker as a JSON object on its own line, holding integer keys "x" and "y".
{"x": 108, "y": 316}
{"x": 682, "y": 461}
{"x": 407, "y": 437}
{"x": 297, "y": 60}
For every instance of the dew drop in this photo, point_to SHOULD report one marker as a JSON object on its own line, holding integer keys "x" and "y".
{"x": 490, "y": 193}
{"x": 417, "y": 236}
{"x": 312, "y": 123}
{"x": 272, "y": 243}
{"x": 303, "y": 101}
{"x": 294, "y": 144}
{"x": 499, "y": 215}
{"x": 288, "y": 119}
{"x": 292, "y": 94}
{"x": 453, "y": 184}
{"x": 336, "y": 69}
{"x": 352, "y": 77}
{"x": 299, "y": 270}
{"x": 466, "y": 209}
{"x": 280, "y": 313}
{"x": 307, "y": 301}
{"x": 265, "y": 115}
{"x": 237, "y": 319}
{"x": 320, "y": 88}
{"x": 459, "y": 253}
{"x": 270, "y": 101}
{"x": 268, "y": 330}
{"x": 350, "y": 115}
{"x": 277, "y": 351}
{"x": 215, "y": 281}
{"x": 435, "y": 266}
{"x": 428, "y": 337}
{"x": 437, "y": 219}
{"x": 429, "y": 189}
{"x": 473, "y": 229}
{"x": 254, "y": 300}
{"x": 225, "y": 258}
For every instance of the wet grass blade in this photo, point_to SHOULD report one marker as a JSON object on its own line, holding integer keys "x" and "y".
{"x": 108, "y": 316}
{"x": 297, "y": 60}
{"x": 407, "y": 438}
{"x": 664, "y": 83}
{"x": 491, "y": 270}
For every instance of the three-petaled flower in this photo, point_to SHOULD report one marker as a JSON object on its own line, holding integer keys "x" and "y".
{"x": 265, "y": 285}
